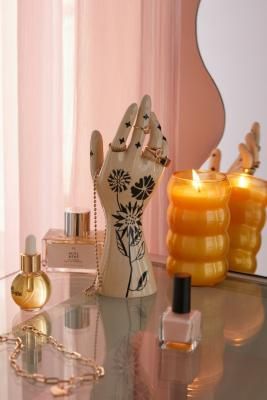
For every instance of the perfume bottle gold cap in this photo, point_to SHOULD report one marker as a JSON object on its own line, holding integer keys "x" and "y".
{"x": 76, "y": 222}
{"x": 30, "y": 260}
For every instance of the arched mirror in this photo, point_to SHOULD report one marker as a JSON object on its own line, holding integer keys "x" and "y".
{"x": 232, "y": 42}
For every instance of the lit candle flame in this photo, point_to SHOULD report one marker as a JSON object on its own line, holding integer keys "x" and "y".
{"x": 243, "y": 182}
{"x": 196, "y": 180}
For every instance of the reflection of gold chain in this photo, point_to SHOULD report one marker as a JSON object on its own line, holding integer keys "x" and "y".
{"x": 98, "y": 279}
{"x": 61, "y": 387}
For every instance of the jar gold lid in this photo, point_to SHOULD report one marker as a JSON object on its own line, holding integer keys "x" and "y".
{"x": 76, "y": 222}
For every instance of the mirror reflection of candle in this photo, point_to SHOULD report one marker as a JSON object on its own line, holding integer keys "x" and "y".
{"x": 198, "y": 218}
{"x": 247, "y": 206}
{"x": 243, "y": 182}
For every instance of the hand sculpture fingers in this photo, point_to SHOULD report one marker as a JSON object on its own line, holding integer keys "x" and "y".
{"x": 255, "y": 129}
{"x": 215, "y": 160}
{"x": 165, "y": 161}
{"x": 246, "y": 158}
{"x": 154, "y": 144}
{"x": 96, "y": 153}
{"x": 244, "y": 162}
{"x": 141, "y": 123}
{"x": 155, "y": 137}
{"x": 253, "y": 148}
{"x": 119, "y": 141}
{"x": 157, "y": 146}
{"x": 164, "y": 143}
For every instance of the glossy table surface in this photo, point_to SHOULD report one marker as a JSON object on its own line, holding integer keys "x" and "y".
{"x": 230, "y": 362}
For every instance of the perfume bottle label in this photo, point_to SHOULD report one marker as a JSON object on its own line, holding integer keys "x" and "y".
{"x": 15, "y": 292}
{"x": 78, "y": 256}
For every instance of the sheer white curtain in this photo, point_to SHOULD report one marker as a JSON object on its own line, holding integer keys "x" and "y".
{"x": 9, "y": 140}
{"x": 68, "y": 67}
{"x": 124, "y": 50}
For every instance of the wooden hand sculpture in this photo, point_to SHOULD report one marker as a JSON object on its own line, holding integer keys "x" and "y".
{"x": 248, "y": 158}
{"x": 125, "y": 181}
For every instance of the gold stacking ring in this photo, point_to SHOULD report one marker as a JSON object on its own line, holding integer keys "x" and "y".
{"x": 157, "y": 154}
{"x": 155, "y": 151}
{"x": 145, "y": 129}
{"x": 118, "y": 149}
{"x": 249, "y": 171}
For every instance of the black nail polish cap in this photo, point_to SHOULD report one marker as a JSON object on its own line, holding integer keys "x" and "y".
{"x": 181, "y": 301}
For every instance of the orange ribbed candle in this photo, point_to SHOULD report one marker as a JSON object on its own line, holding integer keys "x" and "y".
{"x": 247, "y": 204}
{"x": 198, "y": 218}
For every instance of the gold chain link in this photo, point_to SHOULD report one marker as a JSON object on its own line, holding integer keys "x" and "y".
{"x": 62, "y": 387}
{"x": 98, "y": 279}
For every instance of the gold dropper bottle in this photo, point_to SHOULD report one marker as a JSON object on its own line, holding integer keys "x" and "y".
{"x": 31, "y": 288}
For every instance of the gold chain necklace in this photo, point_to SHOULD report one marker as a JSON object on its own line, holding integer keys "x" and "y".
{"x": 97, "y": 283}
{"x": 61, "y": 387}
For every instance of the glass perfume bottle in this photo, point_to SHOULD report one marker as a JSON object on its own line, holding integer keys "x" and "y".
{"x": 31, "y": 288}
{"x": 72, "y": 249}
{"x": 180, "y": 327}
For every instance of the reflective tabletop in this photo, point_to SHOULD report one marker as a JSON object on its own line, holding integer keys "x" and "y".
{"x": 122, "y": 335}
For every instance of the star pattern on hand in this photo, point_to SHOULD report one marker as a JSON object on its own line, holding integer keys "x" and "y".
{"x": 128, "y": 124}
{"x": 122, "y": 140}
{"x": 91, "y": 153}
{"x": 137, "y": 145}
{"x": 164, "y": 138}
{"x": 145, "y": 116}
{"x": 159, "y": 127}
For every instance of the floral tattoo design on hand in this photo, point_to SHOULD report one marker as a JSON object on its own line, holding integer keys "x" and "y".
{"x": 128, "y": 220}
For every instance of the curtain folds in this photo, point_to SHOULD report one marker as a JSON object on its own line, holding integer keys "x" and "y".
{"x": 120, "y": 57}
{"x": 68, "y": 67}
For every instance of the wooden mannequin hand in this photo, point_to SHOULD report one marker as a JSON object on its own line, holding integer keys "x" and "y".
{"x": 243, "y": 161}
{"x": 125, "y": 181}
{"x": 248, "y": 158}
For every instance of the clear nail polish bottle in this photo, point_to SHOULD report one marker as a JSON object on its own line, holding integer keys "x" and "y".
{"x": 31, "y": 288}
{"x": 180, "y": 327}
{"x": 72, "y": 249}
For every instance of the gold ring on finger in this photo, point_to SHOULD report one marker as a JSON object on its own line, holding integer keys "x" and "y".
{"x": 145, "y": 129}
{"x": 117, "y": 149}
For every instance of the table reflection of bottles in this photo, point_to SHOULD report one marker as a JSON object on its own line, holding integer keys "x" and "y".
{"x": 82, "y": 332}
{"x": 32, "y": 359}
{"x": 124, "y": 321}
{"x": 32, "y": 354}
{"x": 243, "y": 314}
{"x": 177, "y": 370}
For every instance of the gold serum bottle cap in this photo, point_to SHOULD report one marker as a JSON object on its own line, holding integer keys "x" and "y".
{"x": 30, "y": 260}
{"x": 77, "y": 222}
